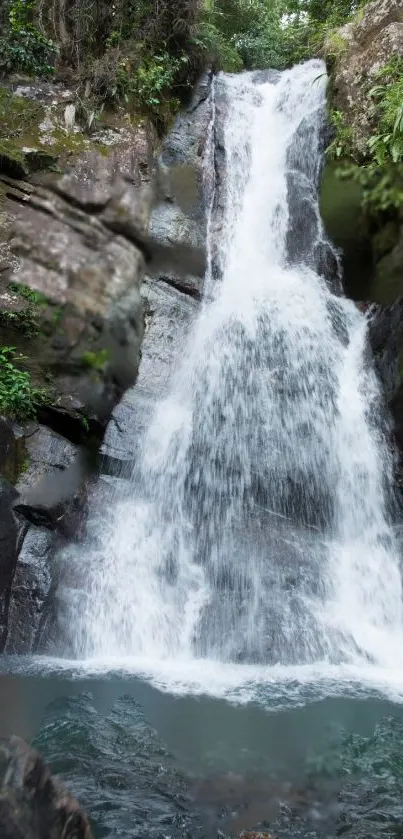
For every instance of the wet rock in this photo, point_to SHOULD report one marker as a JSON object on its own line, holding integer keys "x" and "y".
{"x": 47, "y": 452}
{"x": 12, "y": 449}
{"x": 356, "y": 52}
{"x": 33, "y": 805}
{"x": 52, "y": 487}
{"x": 177, "y": 228}
{"x": 9, "y": 536}
{"x": 385, "y": 333}
{"x": 169, "y": 315}
{"x": 387, "y": 284}
{"x": 29, "y": 592}
{"x": 177, "y": 245}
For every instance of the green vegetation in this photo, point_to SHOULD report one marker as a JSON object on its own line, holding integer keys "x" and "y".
{"x": 380, "y": 171}
{"x": 24, "y": 47}
{"x": 95, "y": 360}
{"x": 27, "y": 321}
{"x": 19, "y": 399}
{"x": 27, "y": 293}
{"x": 145, "y": 55}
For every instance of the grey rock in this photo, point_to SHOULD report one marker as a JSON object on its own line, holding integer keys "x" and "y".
{"x": 48, "y": 452}
{"x": 30, "y": 590}
{"x": 177, "y": 229}
{"x": 33, "y": 805}
{"x": 169, "y": 316}
{"x": 52, "y": 487}
{"x": 9, "y": 536}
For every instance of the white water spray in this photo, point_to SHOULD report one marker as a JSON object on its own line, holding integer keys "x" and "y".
{"x": 256, "y": 527}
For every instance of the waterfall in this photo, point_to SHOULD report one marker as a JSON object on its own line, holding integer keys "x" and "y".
{"x": 256, "y": 527}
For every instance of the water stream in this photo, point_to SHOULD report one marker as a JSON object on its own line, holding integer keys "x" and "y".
{"x": 253, "y": 556}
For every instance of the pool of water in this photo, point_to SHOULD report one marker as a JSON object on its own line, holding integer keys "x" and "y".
{"x": 148, "y": 762}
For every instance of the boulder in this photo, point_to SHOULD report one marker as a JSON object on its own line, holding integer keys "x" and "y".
{"x": 33, "y": 805}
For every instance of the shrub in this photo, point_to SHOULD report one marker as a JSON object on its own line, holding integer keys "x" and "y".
{"x": 19, "y": 399}
{"x": 23, "y": 47}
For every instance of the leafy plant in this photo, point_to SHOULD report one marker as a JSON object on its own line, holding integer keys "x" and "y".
{"x": 27, "y": 293}
{"x": 342, "y": 144}
{"x": 19, "y": 398}
{"x": 24, "y": 47}
{"x": 381, "y": 174}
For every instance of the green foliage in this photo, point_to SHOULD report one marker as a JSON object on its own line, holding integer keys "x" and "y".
{"x": 28, "y": 293}
{"x": 238, "y": 34}
{"x": 380, "y": 174}
{"x": 95, "y": 360}
{"x": 213, "y": 44}
{"x": 19, "y": 399}
{"x": 25, "y": 321}
{"x": 24, "y": 47}
{"x": 312, "y": 26}
{"x": 342, "y": 145}
{"x": 387, "y": 97}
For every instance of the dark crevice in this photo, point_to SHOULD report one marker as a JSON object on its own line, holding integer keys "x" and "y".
{"x": 182, "y": 286}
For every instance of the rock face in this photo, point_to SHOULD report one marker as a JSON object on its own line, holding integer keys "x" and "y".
{"x": 73, "y": 251}
{"x": 83, "y": 243}
{"x": 33, "y": 805}
{"x": 174, "y": 279}
{"x": 357, "y": 52}
{"x": 386, "y": 341}
{"x": 9, "y": 533}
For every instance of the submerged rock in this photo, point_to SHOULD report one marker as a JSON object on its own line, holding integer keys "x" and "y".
{"x": 33, "y": 805}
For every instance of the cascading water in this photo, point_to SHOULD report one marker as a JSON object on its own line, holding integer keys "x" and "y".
{"x": 256, "y": 526}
